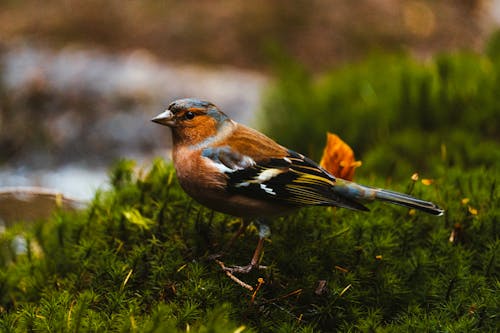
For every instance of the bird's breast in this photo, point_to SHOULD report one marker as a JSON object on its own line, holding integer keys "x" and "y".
{"x": 200, "y": 179}
{"x": 194, "y": 173}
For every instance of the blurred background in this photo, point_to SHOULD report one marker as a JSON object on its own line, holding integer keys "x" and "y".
{"x": 398, "y": 80}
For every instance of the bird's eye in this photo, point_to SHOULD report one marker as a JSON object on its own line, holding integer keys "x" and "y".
{"x": 189, "y": 115}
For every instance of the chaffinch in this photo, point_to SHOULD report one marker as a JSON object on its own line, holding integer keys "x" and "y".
{"x": 237, "y": 170}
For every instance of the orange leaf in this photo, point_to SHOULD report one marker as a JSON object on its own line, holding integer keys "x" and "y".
{"x": 427, "y": 182}
{"x": 338, "y": 158}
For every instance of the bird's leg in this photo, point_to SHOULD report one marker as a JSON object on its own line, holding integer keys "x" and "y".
{"x": 264, "y": 231}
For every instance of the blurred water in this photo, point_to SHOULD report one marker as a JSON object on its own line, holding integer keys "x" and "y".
{"x": 75, "y": 181}
{"x": 100, "y": 106}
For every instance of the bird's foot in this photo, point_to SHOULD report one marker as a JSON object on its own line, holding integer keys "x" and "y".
{"x": 239, "y": 269}
{"x": 264, "y": 232}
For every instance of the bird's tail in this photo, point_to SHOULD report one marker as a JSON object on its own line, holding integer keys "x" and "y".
{"x": 355, "y": 192}
{"x": 408, "y": 201}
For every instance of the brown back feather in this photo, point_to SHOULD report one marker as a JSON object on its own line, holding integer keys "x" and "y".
{"x": 254, "y": 144}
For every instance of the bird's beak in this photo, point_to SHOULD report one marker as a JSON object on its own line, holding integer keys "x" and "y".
{"x": 165, "y": 118}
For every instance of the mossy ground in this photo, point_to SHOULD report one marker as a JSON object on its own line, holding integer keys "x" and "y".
{"x": 138, "y": 260}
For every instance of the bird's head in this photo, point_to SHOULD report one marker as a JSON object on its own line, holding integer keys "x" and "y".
{"x": 192, "y": 120}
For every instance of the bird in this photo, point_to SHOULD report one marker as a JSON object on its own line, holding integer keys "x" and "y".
{"x": 234, "y": 169}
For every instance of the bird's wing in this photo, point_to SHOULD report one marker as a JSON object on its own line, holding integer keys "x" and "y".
{"x": 292, "y": 179}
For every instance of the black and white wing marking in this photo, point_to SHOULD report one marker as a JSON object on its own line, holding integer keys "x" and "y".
{"x": 293, "y": 180}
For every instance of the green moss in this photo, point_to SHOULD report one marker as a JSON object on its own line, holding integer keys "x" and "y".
{"x": 137, "y": 260}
